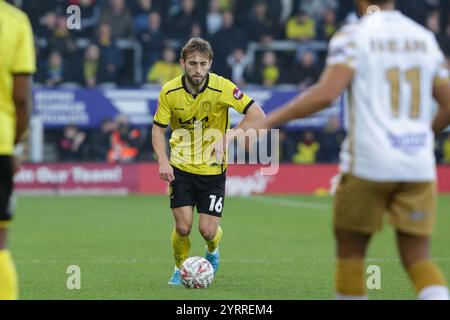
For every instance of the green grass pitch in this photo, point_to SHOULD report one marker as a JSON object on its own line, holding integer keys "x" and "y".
{"x": 273, "y": 248}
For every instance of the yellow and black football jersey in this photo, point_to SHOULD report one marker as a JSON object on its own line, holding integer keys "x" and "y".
{"x": 16, "y": 57}
{"x": 198, "y": 121}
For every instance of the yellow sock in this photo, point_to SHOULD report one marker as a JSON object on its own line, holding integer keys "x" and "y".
{"x": 8, "y": 277}
{"x": 424, "y": 274}
{"x": 350, "y": 278}
{"x": 214, "y": 243}
{"x": 181, "y": 246}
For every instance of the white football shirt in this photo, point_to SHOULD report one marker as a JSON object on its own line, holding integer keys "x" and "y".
{"x": 389, "y": 107}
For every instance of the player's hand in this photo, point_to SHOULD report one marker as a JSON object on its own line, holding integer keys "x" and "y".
{"x": 16, "y": 164}
{"x": 220, "y": 147}
{"x": 219, "y": 150}
{"x": 166, "y": 172}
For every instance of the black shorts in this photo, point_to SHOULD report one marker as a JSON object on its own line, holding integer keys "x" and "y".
{"x": 207, "y": 193}
{"x": 6, "y": 187}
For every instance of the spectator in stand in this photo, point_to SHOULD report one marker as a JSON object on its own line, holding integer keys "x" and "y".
{"x": 111, "y": 58}
{"x": 47, "y": 24}
{"x": 307, "y": 149}
{"x": 181, "y": 23}
{"x": 260, "y": 27}
{"x": 196, "y": 32}
{"x": 90, "y": 16}
{"x": 433, "y": 22}
{"x": 152, "y": 41}
{"x": 315, "y": 8}
{"x": 100, "y": 141}
{"x": 305, "y": 71}
{"x": 125, "y": 142}
{"x": 301, "y": 27}
{"x": 278, "y": 11}
{"x": 228, "y": 38}
{"x": 62, "y": 40}
{"x": 141, "y": 10}
{"x": 330, "y": 141}
{"x": 117, "y": 15}
{"x": 39, "y": 13}
{"x": 56, "y": 70}
{"x": 91, "y": 63}
{"x": 214, "y": 18}
{"x": 328, "y": 25}
{"x": 71, "y": 146}
{"x": 269, "y": 73}
{"x": 237, "y": 63}
{"x": 287, "y": 147}
{"x": 166, "y": 69}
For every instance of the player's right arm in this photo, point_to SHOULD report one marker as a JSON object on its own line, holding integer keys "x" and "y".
{"x": 333, "y": 81}
{"x": 159, "y": 146}
{"x": 160, "y": 123}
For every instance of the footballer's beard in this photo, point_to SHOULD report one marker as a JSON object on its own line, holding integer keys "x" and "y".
{"x": 197, "y": 81}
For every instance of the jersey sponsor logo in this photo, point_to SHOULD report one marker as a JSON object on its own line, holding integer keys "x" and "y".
{"x": 408, "y": 143}
{"x": 238, "y": 94}
{"x": 193, "y": 120}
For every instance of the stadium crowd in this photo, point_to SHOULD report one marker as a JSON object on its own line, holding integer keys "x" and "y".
{"x": 136, "y": 42}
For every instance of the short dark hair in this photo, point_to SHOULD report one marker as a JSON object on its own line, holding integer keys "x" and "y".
{"x": 197, "y": 45}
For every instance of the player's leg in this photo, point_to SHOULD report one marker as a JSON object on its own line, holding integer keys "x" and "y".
{"x": 413, "y": 215}
{"x": 8, "y": 276}
{"x": 210, "y": 204}
{"x": 351, "y": 250}
{"x": 181, "y": 243}
{"x": 426, "y": 276}
{"x": 358, "y": 210}
{"x": 182, "y": 201}
{"x": 212, "y": 233}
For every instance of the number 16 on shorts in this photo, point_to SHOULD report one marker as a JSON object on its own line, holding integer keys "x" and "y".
{"x": 216, "y": 204}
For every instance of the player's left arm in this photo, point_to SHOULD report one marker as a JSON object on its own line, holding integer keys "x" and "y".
{"x": 253, "y": 115}
{"x": 22, "y": 68}
{"x": 22, "y": 98}
{"x": 441, "y": 90}
{"x": 333, "y": 81}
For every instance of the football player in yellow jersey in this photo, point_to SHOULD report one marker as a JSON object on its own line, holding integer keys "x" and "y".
{"x": 17, "y": 64}
{"x": 195, "y": 105}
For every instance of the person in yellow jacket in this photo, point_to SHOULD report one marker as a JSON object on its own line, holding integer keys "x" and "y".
{"x": 164, "y": 70}
{"x": 307, "y": 149}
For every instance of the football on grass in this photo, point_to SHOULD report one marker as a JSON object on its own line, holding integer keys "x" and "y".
{"x": 196, "y": 273}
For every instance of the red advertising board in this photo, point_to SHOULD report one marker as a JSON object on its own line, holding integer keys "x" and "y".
{"x": 143, "y": 178}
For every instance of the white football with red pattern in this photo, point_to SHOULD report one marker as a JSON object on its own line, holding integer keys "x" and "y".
{"x": 196, "y": 273}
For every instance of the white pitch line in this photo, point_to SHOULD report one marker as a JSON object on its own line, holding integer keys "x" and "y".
{"x": 288, "y": 203}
